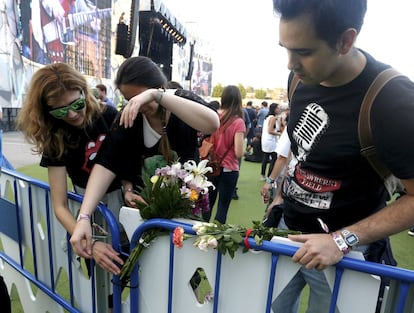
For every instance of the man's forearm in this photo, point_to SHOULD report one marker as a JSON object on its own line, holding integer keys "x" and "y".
{"x": 394, "y": 218}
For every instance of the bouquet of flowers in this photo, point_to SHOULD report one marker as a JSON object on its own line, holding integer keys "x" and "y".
{"x": 174, "y": 191}
{"x": 177, "y": 190}
{"x": 227, "y": 238}
{"x": 181, "y": 190}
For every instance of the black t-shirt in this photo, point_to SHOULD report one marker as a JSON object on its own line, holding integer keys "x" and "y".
{"x": 331, "y": 179}
{"x": 80, "y": 159}
{"x": 123, "y": 151}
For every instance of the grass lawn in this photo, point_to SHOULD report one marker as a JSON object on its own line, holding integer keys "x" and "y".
{"x": 250, "y": 207}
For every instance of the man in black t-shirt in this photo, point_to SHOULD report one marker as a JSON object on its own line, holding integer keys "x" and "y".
{"x": 331, "y": 191}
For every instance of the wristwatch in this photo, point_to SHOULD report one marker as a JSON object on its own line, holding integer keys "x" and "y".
{"x": 351, "y": 239}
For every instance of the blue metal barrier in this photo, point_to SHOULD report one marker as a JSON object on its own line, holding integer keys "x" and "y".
{"x": 4, "y": 163}
{"x": 28, "y": 221}
{"x": 399, "y": 304}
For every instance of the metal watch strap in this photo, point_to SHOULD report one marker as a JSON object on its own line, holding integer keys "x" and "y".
{"x": 350, "y": 238}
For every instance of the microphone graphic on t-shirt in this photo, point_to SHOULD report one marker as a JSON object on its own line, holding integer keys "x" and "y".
{"x": 312, "y": 124}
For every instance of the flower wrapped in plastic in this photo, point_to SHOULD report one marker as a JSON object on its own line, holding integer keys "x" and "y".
{"x": 174, "y": 191}
{"x": 177, "y": 190}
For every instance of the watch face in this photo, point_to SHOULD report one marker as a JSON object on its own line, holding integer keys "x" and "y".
{"x": 351, "y": 239}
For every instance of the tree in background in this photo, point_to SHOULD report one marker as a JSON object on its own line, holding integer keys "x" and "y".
{"x": 217, "y": 91}
{"x": 242, "y": 91}
{"x": 260, "y": 94}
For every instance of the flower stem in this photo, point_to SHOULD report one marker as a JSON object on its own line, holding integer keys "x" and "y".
{"x": 136, "y": 253}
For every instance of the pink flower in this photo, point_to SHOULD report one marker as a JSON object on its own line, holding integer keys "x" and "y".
{"x": 178, "y": 237}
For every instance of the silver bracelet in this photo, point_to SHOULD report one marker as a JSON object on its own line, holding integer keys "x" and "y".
{"x": 159, "y": 95}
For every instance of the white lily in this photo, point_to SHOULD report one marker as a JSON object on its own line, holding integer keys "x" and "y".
{"x": 197, "y": 169}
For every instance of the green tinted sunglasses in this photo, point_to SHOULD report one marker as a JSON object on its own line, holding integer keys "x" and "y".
{"x": 62, "y": 112}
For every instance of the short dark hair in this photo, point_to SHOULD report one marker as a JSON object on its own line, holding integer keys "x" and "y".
{"x": 173, "y": 85}
{"x": 101, "y": 87}
{"x": 215, "y": 104}
{"x": 330, "y": 17}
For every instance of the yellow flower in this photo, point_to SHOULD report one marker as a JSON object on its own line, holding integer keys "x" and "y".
{"x": 193, "y": 195}
{"x": 154, "y": 179}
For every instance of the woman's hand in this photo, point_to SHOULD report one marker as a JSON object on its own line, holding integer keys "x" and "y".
{"x": 105, "y": 256}
{"x": 143, "y": 102}
{"x": 131, "y": 198}
{"x": 81, "y": 239}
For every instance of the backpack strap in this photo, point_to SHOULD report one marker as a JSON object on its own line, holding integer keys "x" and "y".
{"x": 364, "y": 121}
{"x": 293, "y": 84}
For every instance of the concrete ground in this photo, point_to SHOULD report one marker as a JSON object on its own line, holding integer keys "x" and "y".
{"x": 17, "y": 151}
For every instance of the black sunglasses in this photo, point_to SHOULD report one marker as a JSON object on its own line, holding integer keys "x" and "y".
{"x": 62, "y": 112}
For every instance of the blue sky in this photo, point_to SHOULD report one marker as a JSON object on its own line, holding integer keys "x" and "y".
{"x": 244, "y": 37}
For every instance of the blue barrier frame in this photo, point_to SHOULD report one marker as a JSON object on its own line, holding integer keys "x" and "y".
{"x": 404, "y": 276}
{"x": 33, "y": 278}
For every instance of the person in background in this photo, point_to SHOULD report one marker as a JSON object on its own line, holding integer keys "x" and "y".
{"x": 248, "y": 125}
{"x": 254, "y": 151}
{"x": 261, "y": 115}
{"x": 271, "y": 191}
{"x": 228, "y": 142}
{"x": 67, "y": 126}
{"x": 331, "y": 193}
{"x": 253, "y": 120}
{"x": 102, "y": 94}
{"x": 270, "y": 134}
{"x": 173, "y": 85}
{"x": 154, "y": 122}
{"x": 215, "y": 104}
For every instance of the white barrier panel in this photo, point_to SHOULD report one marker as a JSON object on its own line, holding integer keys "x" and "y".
{"x": 244, "y": 280}
{"x": 241, "y": 283}
{"x": 26, "y": 209}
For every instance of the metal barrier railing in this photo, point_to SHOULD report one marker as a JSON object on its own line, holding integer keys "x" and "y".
{"x": 399, "y": 300}
{"x": 29, "y": 227}
{"x": 30, "y": 230}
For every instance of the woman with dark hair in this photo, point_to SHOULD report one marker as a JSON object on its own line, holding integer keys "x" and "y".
{"x": 228, "y": 142}
{"x": 270, "y": 131}
{"x": 155, "y": 121}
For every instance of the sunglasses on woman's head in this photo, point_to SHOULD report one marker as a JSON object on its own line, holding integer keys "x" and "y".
{"x": 62, "y": 112}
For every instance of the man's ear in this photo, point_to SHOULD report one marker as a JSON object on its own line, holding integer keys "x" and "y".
{"x": 346, "y": 40}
